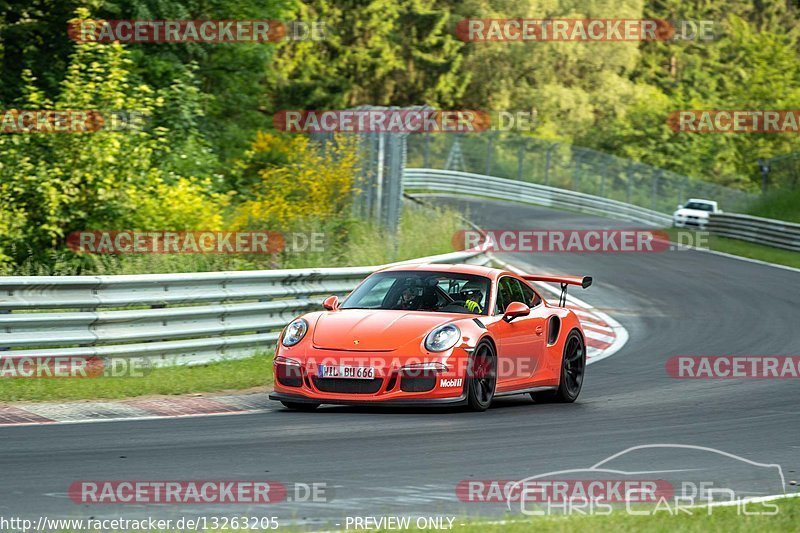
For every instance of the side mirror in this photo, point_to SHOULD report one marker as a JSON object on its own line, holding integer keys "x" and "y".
{"x": 680, "y": 206}
{"x": 331, "y": 303}
{"x": 515, "y": 310}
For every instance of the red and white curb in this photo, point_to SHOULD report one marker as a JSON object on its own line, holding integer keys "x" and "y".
{"x": 139, "y": 408}
{"x": 604, "y": 335}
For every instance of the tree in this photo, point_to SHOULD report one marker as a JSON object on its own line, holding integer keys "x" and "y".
{"x": 55, "y": 183}
{"x": 378, "y": 52}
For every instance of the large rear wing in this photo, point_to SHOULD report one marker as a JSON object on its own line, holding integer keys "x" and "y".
{"x": 564, "y": 281}
{"x": 583, "y": 281}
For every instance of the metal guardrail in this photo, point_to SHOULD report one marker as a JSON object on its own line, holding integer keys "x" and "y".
{"x": 168, "y": 318}
{"x": 766, "y": 231}
{"x": 523, "y": 158}
{"x": 458, "y": 183}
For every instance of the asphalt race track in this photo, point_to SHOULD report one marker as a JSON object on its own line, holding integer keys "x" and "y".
{"x": 390, "y": 462}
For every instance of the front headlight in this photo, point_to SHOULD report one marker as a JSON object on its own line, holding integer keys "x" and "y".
{"x": 294, "y": 332}
{"x": 442, "y": 338}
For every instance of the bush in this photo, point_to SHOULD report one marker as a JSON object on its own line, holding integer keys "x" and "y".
{"x": 53, "y": 184}
{"x": 308, "y": 185}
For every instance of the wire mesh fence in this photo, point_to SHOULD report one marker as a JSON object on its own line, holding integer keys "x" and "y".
{"x": 509, "y": 155}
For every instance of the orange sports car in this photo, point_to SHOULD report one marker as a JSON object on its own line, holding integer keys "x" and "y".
{"x": 435, "y": 335}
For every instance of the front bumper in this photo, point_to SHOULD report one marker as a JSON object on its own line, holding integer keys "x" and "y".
{"x": 392, "y": 384}
{"x": 410, "y": 402}
{"x": 686, "y": 222}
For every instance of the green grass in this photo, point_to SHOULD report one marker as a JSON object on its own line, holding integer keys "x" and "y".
{"x": 423, "y": 231}
{"x": 737, "y": 247}
{"x": 239, "y": 374}
{"x": 780, "y": 205}
{"x": 721, "y": 519}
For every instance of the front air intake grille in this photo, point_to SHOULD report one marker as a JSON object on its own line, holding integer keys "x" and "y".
{"x": 288, "y": 375}
{"x": 348, "y": 386}
{"x": 417, "y": 384}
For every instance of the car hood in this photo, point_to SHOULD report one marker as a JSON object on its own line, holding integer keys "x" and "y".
{"x": 374, "y": 331}
{"x": 692, "y": 213}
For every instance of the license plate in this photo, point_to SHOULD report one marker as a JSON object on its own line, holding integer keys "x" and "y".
{"x": 346, "y": 372}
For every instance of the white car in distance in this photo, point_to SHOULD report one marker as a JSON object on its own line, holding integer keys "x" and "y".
{"x": 694, "y": 213}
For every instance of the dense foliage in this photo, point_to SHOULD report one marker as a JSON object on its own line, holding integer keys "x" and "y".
{"x": 205, "y": 157}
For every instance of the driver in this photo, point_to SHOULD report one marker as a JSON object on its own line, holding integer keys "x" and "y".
{"x": 408, "y": 298}
{"x": 473, "y": 297}
{"x": 473, "y": 303}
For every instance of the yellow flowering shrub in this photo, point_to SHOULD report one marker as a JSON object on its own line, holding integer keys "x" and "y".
{"x": 185, "y": 204}
{"x": 309, "y": 184}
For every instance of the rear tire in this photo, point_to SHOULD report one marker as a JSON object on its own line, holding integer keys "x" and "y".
{"x": 573, "y": 366}
{"x": 300, "y": 406}
{"x": 482, "y": 377}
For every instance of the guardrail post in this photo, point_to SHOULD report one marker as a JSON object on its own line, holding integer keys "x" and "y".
{"x": 4, "y": 312}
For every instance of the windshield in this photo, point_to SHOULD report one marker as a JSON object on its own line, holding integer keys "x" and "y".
{"x": 422, "y": 291}
{"x": 700, "y": 206}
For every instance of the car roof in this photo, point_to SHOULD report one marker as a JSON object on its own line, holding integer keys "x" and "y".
{"x": 476, "y": 270}
{"x": 701, "y": 201}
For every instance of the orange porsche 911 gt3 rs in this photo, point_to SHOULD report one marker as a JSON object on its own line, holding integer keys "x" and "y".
{"x": 434, "y": 334}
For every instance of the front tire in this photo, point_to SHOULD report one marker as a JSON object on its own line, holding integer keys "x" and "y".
{"x": 300, "y": 406}
{"x": 482, "y": 379}
{"x": 573, "y": 367}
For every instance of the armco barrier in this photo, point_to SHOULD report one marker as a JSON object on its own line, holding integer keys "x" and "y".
{"x": 766, "y": 231}
{"x": 456, "y": 183}
{"x": 168, "y": 318}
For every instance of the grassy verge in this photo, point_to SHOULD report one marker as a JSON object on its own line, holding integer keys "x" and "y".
{"x": 736, "y": 247}
{"x": 702, "y": 520}
{"x": 423, "y": 231}
{"x": 727, "y": 519}
{"x": 225, "y": 375}
{"x": 780, "y": 205}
